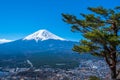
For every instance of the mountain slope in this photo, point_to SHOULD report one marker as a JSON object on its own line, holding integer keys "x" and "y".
{"x": 41, "y": 48}
{"x": 41, "y": 53}
{"x": 38, "y": 41}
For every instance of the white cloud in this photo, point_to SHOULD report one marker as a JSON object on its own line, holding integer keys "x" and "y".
{"x": 4, "y": 41}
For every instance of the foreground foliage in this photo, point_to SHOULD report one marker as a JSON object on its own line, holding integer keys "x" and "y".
{"x": 101, "y": 32}
{"x": 93, "y": 78}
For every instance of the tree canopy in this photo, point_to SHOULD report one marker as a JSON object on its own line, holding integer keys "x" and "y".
{"x": 101, "y": 32}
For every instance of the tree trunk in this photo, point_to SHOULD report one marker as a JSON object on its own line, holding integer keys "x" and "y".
{"x": 113, "y": 73}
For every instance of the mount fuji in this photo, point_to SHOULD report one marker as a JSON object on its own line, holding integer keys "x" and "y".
{"x": 38, "y": 41}
{"x": 41, "y": 48}
{"x": 42, "y": 35}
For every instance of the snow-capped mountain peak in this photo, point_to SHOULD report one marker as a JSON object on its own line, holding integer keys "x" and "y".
{"x": 4, "y": 41}
{"x": 42, "y": 35}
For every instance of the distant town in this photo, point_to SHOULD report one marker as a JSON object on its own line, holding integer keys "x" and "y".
{"x": 86, "y": 69}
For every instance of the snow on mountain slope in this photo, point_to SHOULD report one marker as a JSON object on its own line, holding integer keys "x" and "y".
{"x": 42, "y": 35}
{"x": 4, "y": 41}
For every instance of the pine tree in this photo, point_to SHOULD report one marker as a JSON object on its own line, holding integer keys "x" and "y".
{"x": 101, "y": 32}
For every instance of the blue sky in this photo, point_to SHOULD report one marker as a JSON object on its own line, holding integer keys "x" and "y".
{"x": 19, "y": 18}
